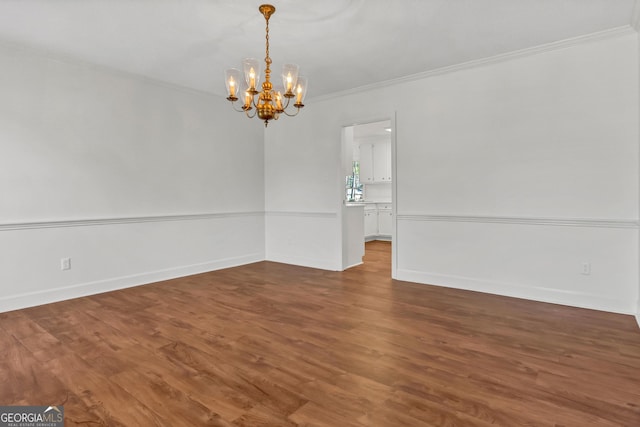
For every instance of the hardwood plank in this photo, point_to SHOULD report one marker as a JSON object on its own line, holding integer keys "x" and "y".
{"x": 171, "y": 404}
{"x": 269, "y": 344}
{"x": 314, "y": 415}
{"x": 106, "y": 400}
{"x": 23, "y": 379}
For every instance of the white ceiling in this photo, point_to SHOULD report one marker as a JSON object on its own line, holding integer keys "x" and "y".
{"x": 339, "y": 44}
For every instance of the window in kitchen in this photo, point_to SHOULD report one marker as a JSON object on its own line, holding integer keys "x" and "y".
{"x": 353, "y": 185}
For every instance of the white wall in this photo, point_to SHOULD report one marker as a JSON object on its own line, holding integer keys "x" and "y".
{"x": 134, "y": 180}
{"x": 378, "y": 192}
{"x": 510, "y": 174}
{"x": 303, "y": 210}
{"x": 525, "y": 170}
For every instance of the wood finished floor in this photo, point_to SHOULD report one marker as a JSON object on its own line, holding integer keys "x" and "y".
{"x": 276, "y": 345}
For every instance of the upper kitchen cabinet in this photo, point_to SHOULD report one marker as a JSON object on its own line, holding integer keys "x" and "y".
{"x": 382, "y": 162}
{"x": 366, "y": 163}
{"x": 375, "y": 162}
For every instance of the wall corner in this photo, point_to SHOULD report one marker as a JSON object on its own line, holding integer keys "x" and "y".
{"x": 635, "y": 17}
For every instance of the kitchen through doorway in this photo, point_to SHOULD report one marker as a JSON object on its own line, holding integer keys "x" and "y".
{"x": 368, "y": 168}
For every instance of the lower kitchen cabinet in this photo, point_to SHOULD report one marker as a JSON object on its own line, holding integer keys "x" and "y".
{"x": 370, "y": 223}
{"x": 385, "y": 222}
{"x": 378, "y": 221}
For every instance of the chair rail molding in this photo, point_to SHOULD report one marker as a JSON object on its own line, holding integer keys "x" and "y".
{"x": 545, "y": 221}
{"x": 122, "y": 220}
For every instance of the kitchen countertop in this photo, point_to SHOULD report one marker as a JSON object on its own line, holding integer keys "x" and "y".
{"x": 365, "y": 202}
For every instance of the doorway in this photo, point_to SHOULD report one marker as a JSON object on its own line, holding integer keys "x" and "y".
{"x": 367, "y": 160}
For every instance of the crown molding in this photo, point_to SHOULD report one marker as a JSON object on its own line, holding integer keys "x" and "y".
{"x": 496, "y": 59}
{"x": 122, "y": 220}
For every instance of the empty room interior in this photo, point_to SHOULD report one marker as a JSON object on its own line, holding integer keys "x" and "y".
{"x": 431, "y": 219}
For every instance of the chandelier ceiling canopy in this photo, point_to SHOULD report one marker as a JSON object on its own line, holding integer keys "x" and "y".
{"x": 269, "y": 102}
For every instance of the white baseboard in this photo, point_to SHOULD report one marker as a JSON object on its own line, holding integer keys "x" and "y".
{"x": 548, "y": 295}
{"x": 322, "y": 264}
{"x": 31, "y": 299}
{"x": 354, "y": 265}
{"x": 383, "y": 238}
{"x": 638, "y": 312}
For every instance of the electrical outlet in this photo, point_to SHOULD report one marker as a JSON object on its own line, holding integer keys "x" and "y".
{"x": 65, "y": 264}
{"x": 586, "y": 268}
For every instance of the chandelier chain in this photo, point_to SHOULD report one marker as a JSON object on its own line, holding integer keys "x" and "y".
{"x": 267, "y": 59}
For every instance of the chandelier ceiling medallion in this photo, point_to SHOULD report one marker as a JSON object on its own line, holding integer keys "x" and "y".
{"x": 269, "y": 103}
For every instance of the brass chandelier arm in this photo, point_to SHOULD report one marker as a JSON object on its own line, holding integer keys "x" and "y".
{"x": 233, "y": 104}
{"x": 291, "y": 115}
{"x": 244, "y": 109}
{"x": 284, "y": 108}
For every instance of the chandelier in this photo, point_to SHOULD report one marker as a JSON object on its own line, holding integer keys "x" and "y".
{"x": 268, "y": 103}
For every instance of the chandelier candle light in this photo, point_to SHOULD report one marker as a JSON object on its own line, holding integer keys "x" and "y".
{"x": 269, "y": 103}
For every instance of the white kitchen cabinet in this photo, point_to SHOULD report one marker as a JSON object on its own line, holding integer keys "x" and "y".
{"x": 378, "y": 221}
{"x": 385, "y": 222}
{"x": 382, "y": 162}
{"x": 370, "y": 222}
{"x": 366, "y": 163}
{"x": 375, "y": 162}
